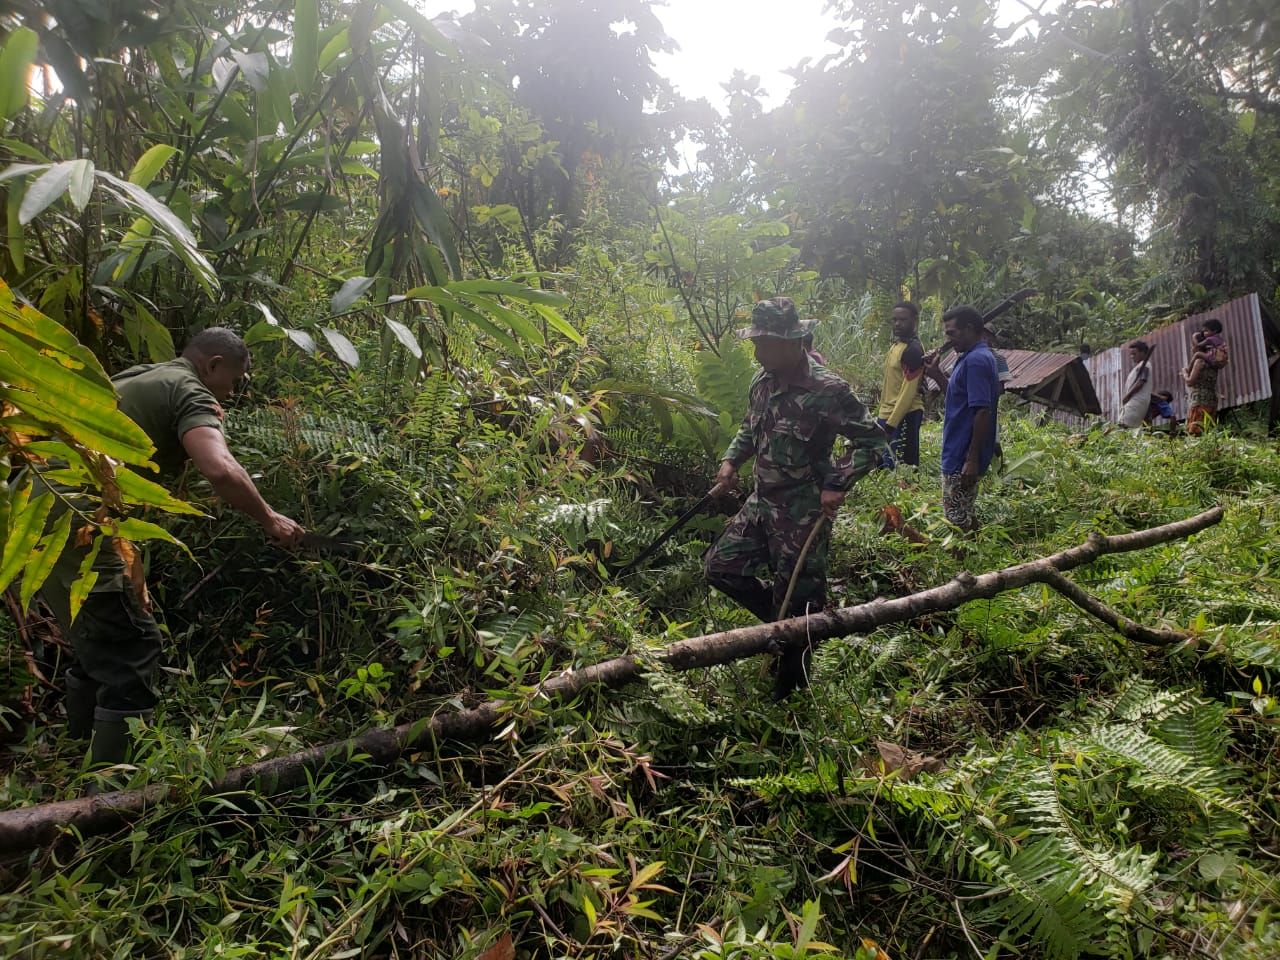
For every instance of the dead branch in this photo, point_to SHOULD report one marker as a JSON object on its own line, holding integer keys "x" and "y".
{"x": 1114, "y": 618}
{"x": 35, "y": 826}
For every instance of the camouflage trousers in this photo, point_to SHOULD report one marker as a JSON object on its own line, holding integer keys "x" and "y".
{"x": 753, "y": 560}
{"x": 959, "y": 501}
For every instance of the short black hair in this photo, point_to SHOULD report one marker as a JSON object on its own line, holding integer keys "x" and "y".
{"x": 1142, "y": 346}
{"x": 217, "y": 342}
{"x": 908, "y": 305}
{"x": 964, "y": 315}
{"x": 1213, "y": 325}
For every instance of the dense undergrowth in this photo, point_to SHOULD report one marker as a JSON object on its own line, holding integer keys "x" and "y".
{"x": 1098, "y": 798}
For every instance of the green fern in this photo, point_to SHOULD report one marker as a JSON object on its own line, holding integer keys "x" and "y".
{"x": 724, "y": 381}
{"x": 1049, "y": 836}
{"x": 278, "y": 431}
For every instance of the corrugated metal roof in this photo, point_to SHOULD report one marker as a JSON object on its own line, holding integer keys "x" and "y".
{"x": 1056, "y": 380}
{"x": 1246, "y": 377}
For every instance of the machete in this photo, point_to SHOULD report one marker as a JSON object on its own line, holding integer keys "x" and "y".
{"x": 667, "y": 534}
{"x": 1008, "y": 302}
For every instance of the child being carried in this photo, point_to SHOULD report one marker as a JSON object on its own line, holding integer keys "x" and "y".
{"x": 1208, "y": 351}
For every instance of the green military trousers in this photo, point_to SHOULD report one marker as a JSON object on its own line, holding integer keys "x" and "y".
{"x": 753, "y": 560}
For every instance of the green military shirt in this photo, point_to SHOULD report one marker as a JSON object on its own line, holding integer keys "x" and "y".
{"x": 166, "y": 400}
{"x": 791, "y": 428}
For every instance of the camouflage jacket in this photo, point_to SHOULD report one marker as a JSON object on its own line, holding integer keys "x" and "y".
{"x": 791, "y": 428}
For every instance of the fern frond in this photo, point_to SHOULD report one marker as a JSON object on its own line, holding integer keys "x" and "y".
{"x": 1156, "y": 764}
{"x": 279, "y": 431}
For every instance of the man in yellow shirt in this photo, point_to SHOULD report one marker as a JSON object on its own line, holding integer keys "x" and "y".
{"x": 901, "y": 407}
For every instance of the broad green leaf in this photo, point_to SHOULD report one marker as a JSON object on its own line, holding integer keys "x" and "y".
{"x": 556, "y": 322}
{"x": 86, "y": 577}
{"x": 158, "y": 339}
{"x": 150, "y": 164}
{"x": 427, "y": 31}
{"x": 520, "y": 325}
{"x": 355, "y": 168}
{"x": 132, "y": 528}
{"x": 263, "y": 332}
{"x": 26, "y": 527}
{"x": 22, "y": 170}
{"x": 306, "y": 43}
{"x": 405, "y": 336}
{"x": 301, "y": 338}
{"x": 434, "y": 221}
{"x": 184, "y": 243}
{"x": 266, "y": 313}
{"x": 316, "y": 202}
{"x": 19, "y": 149}
{"x": 437, "y": 295}
{"x": 40, "y": 563}
{"x": 337, "y": 46}
{"x": 506, "y": 288}
{"x": 112, "y": 433}
{"x": 350, "y": 291}
{"x": 808, "y": 925}
{"x": 17, "y": 234}
{"x": 47, "y": 188}
{"x": 49, "y": 341}
{"x": 133, "y": 244}
{"x": 1247, "y": 120}
{"x": 80, "y": 185}
{"x": 137, "y": 490}
{"x": 342, "y": 347}
{"x": 255, "y": 67}
{"x": 280, "y": 87}
{"x": 19, "y": 53}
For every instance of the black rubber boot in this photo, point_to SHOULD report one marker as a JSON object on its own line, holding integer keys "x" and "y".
{"x": 81, "y": 701}
{"x": 112, "y": 742}
{"x": 793, "y": 673}
{"x": 792, "y": 666}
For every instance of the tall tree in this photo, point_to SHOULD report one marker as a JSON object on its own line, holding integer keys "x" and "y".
{"x": 1182, "y": 99}
{"x": 892, "y": 155}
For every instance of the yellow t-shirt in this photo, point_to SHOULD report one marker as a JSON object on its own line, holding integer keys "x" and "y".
{"x": 900, "y": 394}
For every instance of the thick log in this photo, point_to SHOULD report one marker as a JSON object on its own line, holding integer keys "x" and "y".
{"x": 30, "y": 827}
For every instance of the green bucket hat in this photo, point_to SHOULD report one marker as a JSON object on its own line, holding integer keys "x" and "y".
{"x": 777, "y": 318}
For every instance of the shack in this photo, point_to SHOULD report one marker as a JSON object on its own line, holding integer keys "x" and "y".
{"x": 1058, "y": 381}
{"x": 1252, "y": 341}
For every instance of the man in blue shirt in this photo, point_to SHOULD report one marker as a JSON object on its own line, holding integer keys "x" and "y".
{"x": 969, "y": 421}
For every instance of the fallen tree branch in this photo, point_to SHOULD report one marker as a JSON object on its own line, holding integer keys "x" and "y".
{"x": 30, "y": 827}
{"x": 1124, "y": 626}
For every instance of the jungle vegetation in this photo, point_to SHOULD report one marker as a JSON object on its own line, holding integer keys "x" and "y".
{"x": 490, "y": 266}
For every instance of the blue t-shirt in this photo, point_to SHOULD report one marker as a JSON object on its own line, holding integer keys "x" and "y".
{"x": 974, "y": 384}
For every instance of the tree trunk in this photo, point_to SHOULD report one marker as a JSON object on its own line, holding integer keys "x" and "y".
{"x": 35, "y": 826}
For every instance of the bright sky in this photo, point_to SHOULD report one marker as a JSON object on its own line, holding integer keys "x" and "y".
{"x": 762, "y": 37}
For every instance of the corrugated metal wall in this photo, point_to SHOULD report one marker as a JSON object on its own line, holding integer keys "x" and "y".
{"x": 1245, "y": 379}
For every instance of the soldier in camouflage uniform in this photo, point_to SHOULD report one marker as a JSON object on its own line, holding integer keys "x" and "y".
{"x": 796, "y": 409}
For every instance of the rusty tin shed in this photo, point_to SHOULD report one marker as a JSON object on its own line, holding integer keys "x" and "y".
{"x": 1058, "y": 381}
{"x": 1246, "y": 378}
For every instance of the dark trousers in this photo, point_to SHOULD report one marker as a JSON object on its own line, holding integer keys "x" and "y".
{"x": 904, "y": 442}
{"x": 117, "y": 647}
{"x": 754, "y": 559}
